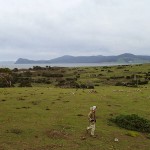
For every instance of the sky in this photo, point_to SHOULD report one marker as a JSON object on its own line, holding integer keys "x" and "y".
{"x": 46, "y": 29}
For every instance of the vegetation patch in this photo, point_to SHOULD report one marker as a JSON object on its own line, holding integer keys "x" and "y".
{"x": 25, "y": 83}
{"x": 57, "y": 134}
{"x": 15, "y": 131}
{"x": 132, "y": 133}
{"x": 36, "y": 102}
{"x": 24, "y": 107}
{"x": 54, "y": 116}
{"x": 132, "y": 122}
{"x": 80, "y": 115}
{"x": 21, "y": 99}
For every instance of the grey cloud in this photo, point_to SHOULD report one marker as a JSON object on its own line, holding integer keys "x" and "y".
{"x": 42, "y": 29}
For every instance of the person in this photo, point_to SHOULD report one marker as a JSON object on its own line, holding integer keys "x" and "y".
{"x": 92, "y": 121}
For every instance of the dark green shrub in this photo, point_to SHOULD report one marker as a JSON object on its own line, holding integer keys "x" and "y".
{"x": 132, "y": 122}
{"x": 25, "y": 83}
{"x": 15, "y": 70}
{"x": 48, "y": 82}
{"x": 128, "y": 77}
{"x": 3, "y": 83}
{"x": 142, "y": 82}
{"x": 5, "y": 70}
{"x": 90, "y": 87}
{"x": 119, "y": 83}
{"x": 83, "y": 86}
{"x": 109, "y": 71}
{"x": 116, "y": 77}
{"x": 27, "y": 74}
{"x": 6, "y": 80}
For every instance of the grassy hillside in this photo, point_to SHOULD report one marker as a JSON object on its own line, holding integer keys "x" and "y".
{"x": 45, "y": 117}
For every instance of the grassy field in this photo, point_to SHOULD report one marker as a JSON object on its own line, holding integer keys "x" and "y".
{"x": 54, "y": 118}
{"x": 48, "y": 117}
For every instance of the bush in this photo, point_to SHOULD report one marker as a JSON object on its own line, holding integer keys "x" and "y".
{"x": 3, "y": 83}
{"x": 83, "y": 86}
{"x": 25, "y": 83}
{"x": 5, "y": 80}
{"x": 116, "y": 77}
{"x": 132, "y": 122}
{"x": 120, "y": 83}
{"x": 128, "y": 77}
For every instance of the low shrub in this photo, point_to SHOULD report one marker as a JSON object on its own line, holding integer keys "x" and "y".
{"x": 132, "y": 122}
{"x": 25, "y": 83}
{"x": 120, "y": 83}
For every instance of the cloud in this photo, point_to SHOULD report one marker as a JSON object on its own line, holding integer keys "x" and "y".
{"x": 44, "y": 29}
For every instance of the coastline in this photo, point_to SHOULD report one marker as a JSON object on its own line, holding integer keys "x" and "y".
{"x": 27, "y": 66}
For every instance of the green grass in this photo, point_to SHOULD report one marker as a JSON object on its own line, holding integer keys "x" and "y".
{"x": 41, "y": 118}
{"x": 44, "y": 117}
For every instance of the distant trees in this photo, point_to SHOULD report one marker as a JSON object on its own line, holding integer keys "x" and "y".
{"x": 26, "y": 82}
{"x": 83, "y": 78}
{"x": 5, "y": 77}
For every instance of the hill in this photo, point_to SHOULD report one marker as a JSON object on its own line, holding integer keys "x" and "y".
{"x": 123, "y": 58}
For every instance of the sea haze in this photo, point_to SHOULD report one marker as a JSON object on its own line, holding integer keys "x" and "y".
{"x": 26, "y": 66}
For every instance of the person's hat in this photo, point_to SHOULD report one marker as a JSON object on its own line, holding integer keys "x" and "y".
{"x": 94, "y": 107}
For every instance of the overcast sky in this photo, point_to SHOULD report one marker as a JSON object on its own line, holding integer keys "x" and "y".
{"x": 46, "y": 29}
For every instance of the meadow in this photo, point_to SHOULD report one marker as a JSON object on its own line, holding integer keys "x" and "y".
{"x": 53, "y": 115}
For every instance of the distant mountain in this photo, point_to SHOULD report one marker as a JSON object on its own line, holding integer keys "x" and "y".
{"x": 123, "y": 58}
{"x": 27, "y": 61}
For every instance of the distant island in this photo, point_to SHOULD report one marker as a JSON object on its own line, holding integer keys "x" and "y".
{"x": 123, "y": 58}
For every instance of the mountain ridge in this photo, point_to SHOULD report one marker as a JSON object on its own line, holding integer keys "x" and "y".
{"x": 126, "y": 58}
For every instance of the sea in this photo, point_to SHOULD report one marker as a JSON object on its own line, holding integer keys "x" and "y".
{"x": 12, "y": 65}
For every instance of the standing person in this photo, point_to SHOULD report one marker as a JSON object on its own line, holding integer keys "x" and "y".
{"x": 92, "y": 120}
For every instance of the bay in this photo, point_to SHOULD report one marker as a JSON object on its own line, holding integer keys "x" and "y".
{"x": 27, "y": 66}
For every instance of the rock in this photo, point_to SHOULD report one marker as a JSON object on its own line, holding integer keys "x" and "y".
{"x": 116, "y": 140}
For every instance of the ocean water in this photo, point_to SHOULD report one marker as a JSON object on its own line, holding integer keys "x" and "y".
{"x": 26, "y": 66}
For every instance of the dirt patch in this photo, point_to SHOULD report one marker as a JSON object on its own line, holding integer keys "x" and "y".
{"x": 57, "y": 134}
{"x": 46, "y": 147}
{"x": 1, "y": 148}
